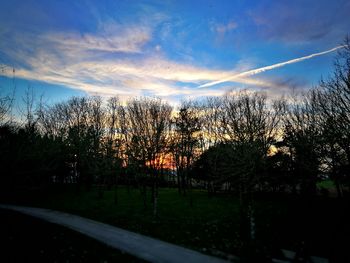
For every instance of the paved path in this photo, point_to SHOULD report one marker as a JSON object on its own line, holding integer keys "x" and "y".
{"x": 143, "y": 247}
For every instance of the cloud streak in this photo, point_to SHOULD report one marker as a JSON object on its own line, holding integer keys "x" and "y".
{"x": 67, "y": 59}
{"x": 129, "y": 40}
{"x": 119, "y": 60}
{"x": 267, "y": 68}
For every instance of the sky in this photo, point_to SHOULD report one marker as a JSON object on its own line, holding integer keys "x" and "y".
{"x": 175, "y": 50}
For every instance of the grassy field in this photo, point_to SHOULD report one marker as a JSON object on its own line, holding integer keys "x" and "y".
{"x": 212, "y": 225}
{"x": 26, "y": 239}
{"x": 327, "y": 184}
{"x": 209, "y": 224}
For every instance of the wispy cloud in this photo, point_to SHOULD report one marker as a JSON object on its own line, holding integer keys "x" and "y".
{"x": 117, "y": 61}
{"x": 96, "y": 64}
{"x": 267, "y": 68}
{"x": 154, "y": 76}
{"x": 128, "y": 40}
{"x": 223, "y": 28}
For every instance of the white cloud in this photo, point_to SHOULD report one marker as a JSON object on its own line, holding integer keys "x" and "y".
{"x": 267, "y": 68}
{"x": 93, "y": 63}
{"x": 113, "y": 39}
{"x": 158, "y": 48}
{"x": 223, "y": 28}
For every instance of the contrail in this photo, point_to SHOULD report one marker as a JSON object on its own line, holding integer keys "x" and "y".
{"x": 263, "y": 69}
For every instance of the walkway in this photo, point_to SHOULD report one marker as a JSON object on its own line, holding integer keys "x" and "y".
{"x": 143, "y": 247}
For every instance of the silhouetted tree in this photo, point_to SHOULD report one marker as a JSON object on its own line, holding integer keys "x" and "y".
{"x": 185, "y": 143}
{"x": 302, "y": 134}
{"x": 149, "y": 121}
{"x": 333, "y": 102}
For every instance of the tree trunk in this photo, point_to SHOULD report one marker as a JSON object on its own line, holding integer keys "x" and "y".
{"x": 190, "y": 192}
{"x": 339, "y": 190}
{"x": 116, "y": 191}
{"x": 178, "y": 181}
{"x": 155, "y": 194}
{"x": 251, "y": 219}
{"x": 155, "y": 204}
{"x": 144, "y": 195}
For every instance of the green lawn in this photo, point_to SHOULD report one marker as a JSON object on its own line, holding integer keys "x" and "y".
{"x": 212, "y": 225}
{"x": 326, "y": 184}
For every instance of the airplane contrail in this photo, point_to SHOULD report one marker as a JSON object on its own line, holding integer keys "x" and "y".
{"x": 266, "y": 68}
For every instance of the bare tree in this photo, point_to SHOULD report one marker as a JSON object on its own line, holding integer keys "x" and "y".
{"x": 5, "y": 106}
{"x": 210, "y": 113}
{"x": 302, "y": 134}
{"x": 186, "y": 142}
{"x": 150, "y": 121}
{"x": 6, "y": 100}
{"x": 32, "y": 106}
{"x": 249, "y": 126}
{"x": 333, "y": 102}
{"x": 113, "y": 143}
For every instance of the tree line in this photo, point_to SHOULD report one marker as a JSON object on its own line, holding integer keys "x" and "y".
{"x": 241, "y": 142}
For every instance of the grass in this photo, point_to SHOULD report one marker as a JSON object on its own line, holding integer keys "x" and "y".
{"x": 326, "y": 184}
{"x": 212, "y": 225}
{"x": 27, "y": 239}
{"x": 211, "y": 219}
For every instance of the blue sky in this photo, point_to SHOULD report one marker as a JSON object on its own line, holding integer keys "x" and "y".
{"x": 170, "y": 49}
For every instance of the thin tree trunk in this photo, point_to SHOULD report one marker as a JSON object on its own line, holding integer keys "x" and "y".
{"x": 116, "y": 191}
{"x": 155, "y": 206}
{"x": 155, "y": 195}
{"x": 178, "y": 182}
{"x": 190, "y": 193}
{"x": 339, "y": 190}
{"x": 144, "y": 195}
